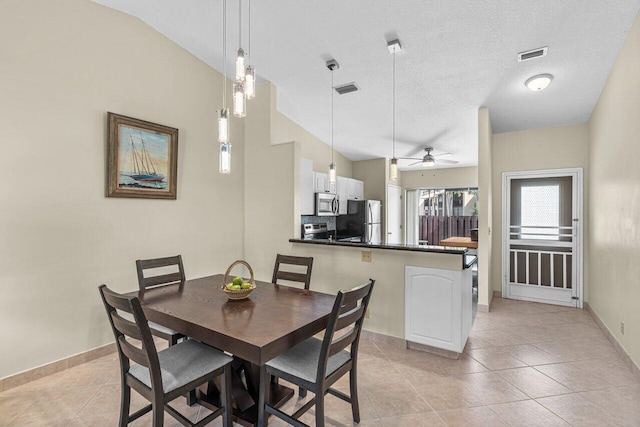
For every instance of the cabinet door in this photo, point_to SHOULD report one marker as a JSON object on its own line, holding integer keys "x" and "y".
{"x": 343, "y": 194}
{"x": 307, "y": 193}
{"x": 356, "y": 189}
{"x": 320, "y": 182}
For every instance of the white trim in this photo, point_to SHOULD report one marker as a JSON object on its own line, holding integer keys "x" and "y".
{"x": 578, "y": 185}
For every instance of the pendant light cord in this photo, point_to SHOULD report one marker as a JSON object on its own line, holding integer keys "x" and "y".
{"x": 249, "y": 42}
{"x": 239, "y": 23}
{"x": 394, "y": 103}
{"x": 224, "y": 54}
{"x": 332, "y": 116}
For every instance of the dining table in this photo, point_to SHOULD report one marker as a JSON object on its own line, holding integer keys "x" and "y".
{"x": 273, "y": 319}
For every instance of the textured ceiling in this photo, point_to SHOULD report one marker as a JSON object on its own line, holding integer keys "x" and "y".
{"x": 459, "y": 56}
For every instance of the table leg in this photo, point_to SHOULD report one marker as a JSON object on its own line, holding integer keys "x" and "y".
{"x": 245, "y": 396}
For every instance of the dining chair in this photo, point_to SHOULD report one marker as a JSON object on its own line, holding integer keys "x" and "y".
{"x": 163, "y": 279}
{"x": 279, "y": 274}
{"x": 316, "y": 364}
{"x": 162, "y": 376}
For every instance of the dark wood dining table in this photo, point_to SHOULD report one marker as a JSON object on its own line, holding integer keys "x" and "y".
{"x": 272, "y": 320}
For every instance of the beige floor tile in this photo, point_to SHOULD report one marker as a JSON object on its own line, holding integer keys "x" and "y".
{"x": 623, "y": 401}
{"x": 421, "y": 420}
{"x": 531, "y": 355}
{"x": 397, "y": 398}
{"x": 105, "y": 419}
{"x": 490, "y": 389}
{"x": 532, "y": 382}
{"x": 495, "y": 358}
{"x": 338, "y": 412}
{"x": 499, "y": 337}
{"x": 527, "y": 413}
{"x": 480, "y": 417}
{"x": 578, "y": 411}
{"x": 87, "y": 374}
{"x": 35, "y": 386}
{"x": 55, "y": 406}
{"x": 572, "y": 377}
{"x": 582, "y": 349}
{"x": 107, "y": 400}
{"x": 475, "y": 342}
{"x": 613, "y": 371}
{"x": 446, "y": 394}
{"x": 11, "y": 406}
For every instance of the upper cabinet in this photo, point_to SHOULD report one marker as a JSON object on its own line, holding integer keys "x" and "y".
{"x": 321, "y": 183}
{"x": 307, "y": 199}
{"x": 355, "y": 189}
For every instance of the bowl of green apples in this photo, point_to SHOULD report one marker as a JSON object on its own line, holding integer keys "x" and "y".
{"x": 238, "y": 288}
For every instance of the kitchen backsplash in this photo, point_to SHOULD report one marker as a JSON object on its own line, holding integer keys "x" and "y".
{"x": 313, "y": 219}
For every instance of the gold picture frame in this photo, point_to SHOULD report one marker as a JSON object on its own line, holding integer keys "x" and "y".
{"x": 142, "y": 160}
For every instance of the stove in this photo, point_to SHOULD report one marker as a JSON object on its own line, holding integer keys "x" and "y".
{"x": 316, "y": 232}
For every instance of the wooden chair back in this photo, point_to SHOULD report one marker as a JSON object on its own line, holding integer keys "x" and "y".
{"x": 304, "y": 278}
{"x": 162, "y": 279}
{"x": 124, "y": 330}
{"x": 348, "y": 311}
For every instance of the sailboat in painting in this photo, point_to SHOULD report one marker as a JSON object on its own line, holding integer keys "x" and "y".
{"x": 142, "y": 170}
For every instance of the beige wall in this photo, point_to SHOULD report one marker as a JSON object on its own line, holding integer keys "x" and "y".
{"x": 614, "y": 177}
{"x": 64, "y": 65}
{"x": 548, "y": 148}
{"x": 485, "y": 195}
{"x": 441, "y": 178}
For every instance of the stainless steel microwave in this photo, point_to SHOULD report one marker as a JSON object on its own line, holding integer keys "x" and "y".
{"x": 326, "y": 204}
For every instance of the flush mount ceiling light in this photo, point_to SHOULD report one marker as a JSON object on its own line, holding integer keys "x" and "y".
{"x": 539, "y": 82}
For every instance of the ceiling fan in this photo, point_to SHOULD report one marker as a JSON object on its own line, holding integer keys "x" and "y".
{"x": 429, "y": 160}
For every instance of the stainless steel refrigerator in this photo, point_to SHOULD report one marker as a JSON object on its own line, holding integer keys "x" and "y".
{"x": 363, "y": 222}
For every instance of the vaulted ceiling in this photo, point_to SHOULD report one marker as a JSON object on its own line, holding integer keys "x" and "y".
{"x": 458, "y": 56}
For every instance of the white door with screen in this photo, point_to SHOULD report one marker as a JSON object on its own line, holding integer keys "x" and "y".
{"x": 394, "y": 214}
{"x": 542, "y": 236}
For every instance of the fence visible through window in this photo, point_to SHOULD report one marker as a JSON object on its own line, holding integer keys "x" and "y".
{"x": 445, "y": 213}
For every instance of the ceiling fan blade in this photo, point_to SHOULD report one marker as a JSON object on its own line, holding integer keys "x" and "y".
{"x": 442, "y": 154}
{"x": 415, "y": 163}
{"x": 451, "y": 162}
{"x": 410, "y": 158}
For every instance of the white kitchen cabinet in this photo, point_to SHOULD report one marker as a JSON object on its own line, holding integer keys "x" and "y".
{"x": 307, "y": 193}
{"x": 355, "y": 189}
{"x": 321, "y": 183}
{"x": 438, "y": 307}
{"x": 343, "y": 194}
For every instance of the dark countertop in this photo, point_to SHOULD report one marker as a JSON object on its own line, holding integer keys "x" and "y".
{"x": 397, "y": 247}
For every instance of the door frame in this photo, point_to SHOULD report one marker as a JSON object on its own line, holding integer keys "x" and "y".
{"x": 506, "y": 196}
{"x": 387, "y": 209}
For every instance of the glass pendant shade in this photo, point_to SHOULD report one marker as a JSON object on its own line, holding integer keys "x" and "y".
{"x": 223, "y": 125}
{"x": 240, "y": 68}
{"x": 428, "y": 163}
{"x": 393, "y": 169}
{"x": 239, "y": 100}
{"x": 250, "y": 82}
{"x": 332, "y": 173}
{"x": 225, "y": 158}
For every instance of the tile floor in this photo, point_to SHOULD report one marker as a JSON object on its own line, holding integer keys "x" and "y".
{"x": 517, "y": 370}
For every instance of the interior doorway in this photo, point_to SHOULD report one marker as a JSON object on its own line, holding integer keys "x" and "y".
{"x": 542, "y": 236}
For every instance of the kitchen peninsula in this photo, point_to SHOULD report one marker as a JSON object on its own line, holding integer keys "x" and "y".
{"x": 423, "y": 295}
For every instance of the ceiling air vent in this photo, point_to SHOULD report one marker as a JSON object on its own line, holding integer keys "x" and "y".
{"x": 531, "y": 54}
{"x": 348, "y": 88}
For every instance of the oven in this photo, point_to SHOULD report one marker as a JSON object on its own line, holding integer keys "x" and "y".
{"x": 316, "y": 232}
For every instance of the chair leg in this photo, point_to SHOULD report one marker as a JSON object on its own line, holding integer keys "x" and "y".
{"x": 263, "y": 397}
{"x": 302, "y": 392}
{"x": 158, "y": 410}
{"x": 191, "y": 398}
{"x": 125, "y": 404}
{"x": 353, "y": 386}
{"x": 227, "y": 420}
{"x": 319, "y": 408}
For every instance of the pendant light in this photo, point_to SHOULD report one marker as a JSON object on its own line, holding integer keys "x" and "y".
{"x": 223, "y": 114}
{"x": 240, "y": 56}
{"x": 250, "y": 71}
{"x": 239, "y": 96}
{"x": 332, "y": 65}
{"x": 394, "y": 47}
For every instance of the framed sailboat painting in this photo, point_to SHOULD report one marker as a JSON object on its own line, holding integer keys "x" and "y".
{"x": 142, "y": 159}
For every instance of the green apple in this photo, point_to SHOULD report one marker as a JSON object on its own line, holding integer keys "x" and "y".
{"x": 237, "y": 281}
{"x": 246, "y": 285}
